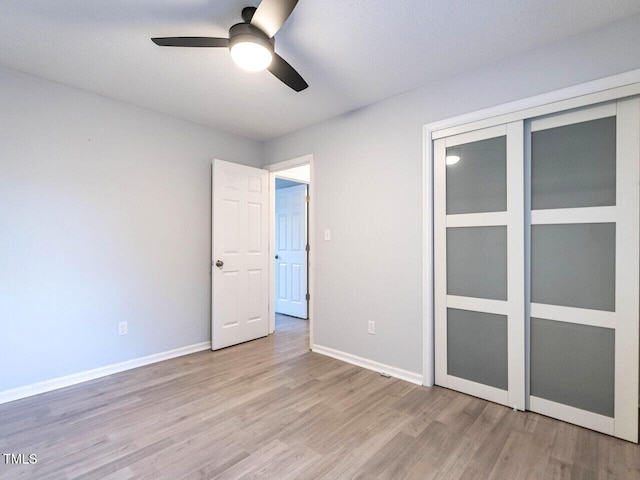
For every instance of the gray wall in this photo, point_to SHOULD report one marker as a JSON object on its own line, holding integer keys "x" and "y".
{"x": 104, "y": 217}
{"x": 368, "y": 188}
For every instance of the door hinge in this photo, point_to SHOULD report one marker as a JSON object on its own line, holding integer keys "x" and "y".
{"x": 307, "y": 199}
{"x": 308, "y": 297}
{"x": 308, "y": 248}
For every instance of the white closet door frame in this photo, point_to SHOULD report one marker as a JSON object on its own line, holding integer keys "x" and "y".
{"x": 513, "y": 307}
{"x": 625, "y": 320}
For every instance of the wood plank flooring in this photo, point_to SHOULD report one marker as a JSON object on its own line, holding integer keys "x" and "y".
{"x": 271, "y": 409}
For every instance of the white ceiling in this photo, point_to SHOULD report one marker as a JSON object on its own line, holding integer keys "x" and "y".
{"x": 351, "y": 52}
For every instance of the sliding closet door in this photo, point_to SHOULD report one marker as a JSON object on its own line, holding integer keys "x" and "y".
{"x": 479, "y": 263}
{"x": 583, "y": 325}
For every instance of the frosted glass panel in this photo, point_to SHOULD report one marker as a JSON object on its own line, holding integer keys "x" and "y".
{"x": 574, "y": 265}
{"x": 574, "y": 165}
{"x": 478, "y": 181}
{"x": 477, "y": 347}
{"x": 573, "y": 365}
{"x": 477, "y": 262}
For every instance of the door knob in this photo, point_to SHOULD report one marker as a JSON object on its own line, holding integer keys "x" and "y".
{"x": 277, "y": 257}
{"x": 219, "y": 263}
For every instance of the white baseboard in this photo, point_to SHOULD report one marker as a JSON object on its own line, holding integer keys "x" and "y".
{"x": 75, "y": 378}
{"x": 370, "y": 364}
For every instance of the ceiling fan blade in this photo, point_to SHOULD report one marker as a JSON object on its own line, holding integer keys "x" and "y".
{"x": 286, "y": 73}
{"x": 191, "y": 42}
{"x": 271, "y": 15}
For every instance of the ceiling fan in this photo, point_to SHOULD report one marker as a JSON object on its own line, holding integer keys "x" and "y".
{"x": 252, "y": 42}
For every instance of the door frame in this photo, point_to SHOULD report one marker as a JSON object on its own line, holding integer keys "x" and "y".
{"x": 609, "y": 88}
{"x": 273, "y": 169}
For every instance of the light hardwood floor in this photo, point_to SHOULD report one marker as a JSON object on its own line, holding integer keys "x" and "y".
{"x": 271, "y": 409}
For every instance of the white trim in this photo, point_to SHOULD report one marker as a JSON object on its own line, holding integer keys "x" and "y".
{"x": 574, "y": 215}
{"x": 609, "y": 88}
{"x": 272, "y": 242}
{"x": 594, "y": 421}
{"x": 486, "y": 305}
{"x": 428, "y": 360}
{"x": 80, "y": 377}
{"x": 274, "y": 168}
{"x": 581, "y": 316}
{"x": 579, "y": 115}
{"x": 398, "y": 373}
{"x": 312, "y": 252}
{"x": 292, "y": 179}
{"x": 491, "y": 219}
{"x": 287, "y": 164}
{"x": 440, "y": 261}
{"x": 476, "y": 135}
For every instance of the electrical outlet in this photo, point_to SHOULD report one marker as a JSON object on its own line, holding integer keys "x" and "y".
{"x": 123, "y": 328}
{"x": 371, "y": 327}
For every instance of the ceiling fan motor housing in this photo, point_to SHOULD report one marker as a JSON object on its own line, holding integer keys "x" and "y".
{"x": 247, "y": 14}
{"x": 245, "y": 32}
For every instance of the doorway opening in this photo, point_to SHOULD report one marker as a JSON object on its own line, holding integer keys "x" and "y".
{"x": 290, "y": 250}
{"x": 291, "y": 263}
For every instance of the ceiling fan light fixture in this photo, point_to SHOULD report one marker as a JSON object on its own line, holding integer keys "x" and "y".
{"x": 251, "y": 56}
{"x": 250, "y": 47}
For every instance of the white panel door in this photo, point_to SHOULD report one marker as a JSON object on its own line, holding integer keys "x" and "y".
{"x": 291, "y": 254}
{"x": 239, "y": 265}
